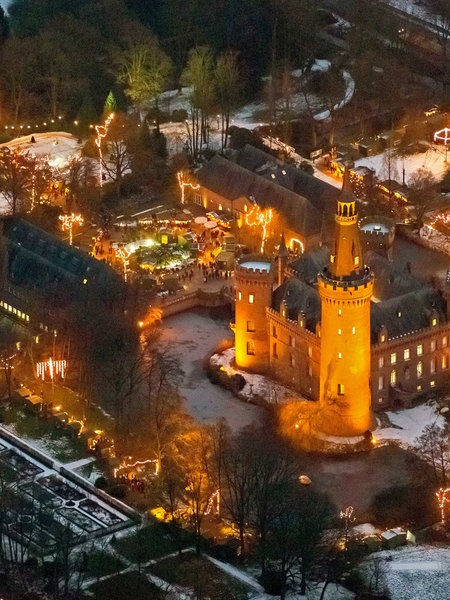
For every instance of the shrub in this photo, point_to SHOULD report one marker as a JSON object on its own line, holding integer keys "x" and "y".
{"x": 101, "y": 482}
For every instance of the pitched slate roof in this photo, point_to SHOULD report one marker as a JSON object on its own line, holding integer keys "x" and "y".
{"x": 391, "y": 280}
{"x": 38, "y": 259}
{"x": 232, "y": 181}
{"x": 299, "y": 298}
{"x": 404, "y": 314}
{"x": 321, "y": 195}
{"x": 311, "y": 263}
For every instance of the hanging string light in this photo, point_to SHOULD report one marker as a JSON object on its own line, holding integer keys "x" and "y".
{"x": 68, "y": 221}
{"x": 183, "y": 184}
{"x": 258, "y": 217}
{"x": 441, "y": 495}
{"x": 124, "y": 256}
{"x": 102, "y": 132}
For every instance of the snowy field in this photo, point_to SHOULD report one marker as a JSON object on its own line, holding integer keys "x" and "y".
{"x": 414, "y": 573}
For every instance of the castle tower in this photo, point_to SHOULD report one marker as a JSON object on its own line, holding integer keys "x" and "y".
{"x": 254, "y": 279}
{"x": 345, "y": 289}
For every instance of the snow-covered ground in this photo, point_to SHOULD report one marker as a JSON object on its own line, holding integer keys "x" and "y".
{"x": 411, "y": 572}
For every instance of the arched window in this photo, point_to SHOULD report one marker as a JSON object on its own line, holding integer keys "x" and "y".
{"x": 419, "y": 369}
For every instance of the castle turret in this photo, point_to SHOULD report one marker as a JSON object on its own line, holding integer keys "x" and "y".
{"x": 254, "y": 279}
{"x": 345, "y": 289}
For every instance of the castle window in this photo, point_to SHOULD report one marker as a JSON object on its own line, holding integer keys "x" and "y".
{"x": 239, "y": 295}
{"x": 393, "y": 358}
{"x": 444, "y": 361}
{"x": 353, "y": 330}
{"x": 220, "y": 207}
{"x": 356, "y": 261}
{"x": 340, "y": 389}
{"x": 339, "y": 312}
{"x": 419, "y": 350}
{"x": 381, "y": 362}
{"x": 339, "y": 354}
{"x": 309, "y": 371}
{"x": 274, "y": 350}
{"x": 292, "y": 341}
{"x": 393, "y": 377}
{"x": 407, "y": 373}
{"x": 433, "y": 345}
{"x": 433, "y": 322}
{"x": 399, "y": 313}
{"x": 245, "y": 208}
{"x": 251, "y": 298}
{"x": 339, "y": 331}
{"x": 292, "y": 361}
{"x": 274, "y": 331}
{"x": 251, "y": 348}
{"x": 197, "y": 198}
{"x": 382, "y": 338}
{"x": 433, "y": 365}
{"x": 444, "y": 341}
{"x": 406, "y": 354}
{"x": 419, "y": 369}
{"x": 432, "y": 383}
{"x": 419, "y": 387}
{"x": 309, "y": 351}
{"x": 251, "y": 326}
{"x": 380, "y": 382}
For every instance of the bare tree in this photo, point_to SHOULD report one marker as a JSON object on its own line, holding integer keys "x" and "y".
{"x": 434, "y": 446}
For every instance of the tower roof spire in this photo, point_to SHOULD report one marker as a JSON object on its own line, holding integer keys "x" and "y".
{"x": 346, "y": 260}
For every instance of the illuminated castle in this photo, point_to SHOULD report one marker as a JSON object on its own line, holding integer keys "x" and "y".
{"x": 352, "y": 339}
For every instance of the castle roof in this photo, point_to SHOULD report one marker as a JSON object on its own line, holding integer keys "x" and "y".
{"x": 391, "y": 280}
{"x": 311, "y": 263}
{"x": 299, "y": 299}
{"x": 232, "y": 181}
{"x": 321, "y": 194}
{"x": 407, "y": 313}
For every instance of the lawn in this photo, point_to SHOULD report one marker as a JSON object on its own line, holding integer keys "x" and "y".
{"x": 57, "y": 442}
{"x": 152, "y": 542}
{"x": 126, "y": 586}
{"x": 199, "y": 574}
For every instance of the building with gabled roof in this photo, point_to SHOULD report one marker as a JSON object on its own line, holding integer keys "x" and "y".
{"x": 226, "y": 186}
{"x": 42, "y": 277}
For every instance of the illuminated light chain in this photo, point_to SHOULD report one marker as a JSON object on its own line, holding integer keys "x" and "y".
{"x": 210, "y": 504}
{"x": 44, "y": 124}
{"x": 102, "y": 132}
{"x": 182, "y": 183}
{"x": 149, "y": 461}
{"x": 443, "y": 135}
{"x": 441, "y": 495}
{"x": 5, "y": 362}
{"x": 443, "y": 218}
{"x": 258, "y": 217}
{"x": 124, "y": 255}
{"x": 53, "y": 367}
{"x": 68, "y": 221}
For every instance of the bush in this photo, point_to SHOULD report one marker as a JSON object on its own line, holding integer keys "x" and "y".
{"x": 101, "y": 482}
{"x": 237, "y": 382}
{"x": 414, "y": 504}
{"x": 118, "y": 491}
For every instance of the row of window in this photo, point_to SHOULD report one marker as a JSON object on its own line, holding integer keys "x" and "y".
{"x": 419, "y": 371}
{"x": 251, "y": 297}
{"x": 407, "y": 352}
{"x": 15, "y": 311}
